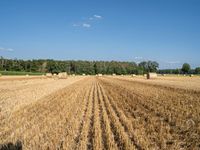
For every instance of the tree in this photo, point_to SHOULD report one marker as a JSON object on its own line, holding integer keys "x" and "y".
{"x": 185, "y": 68}
{"x": 149, "y": 66}
{"x": 197, "y": 70}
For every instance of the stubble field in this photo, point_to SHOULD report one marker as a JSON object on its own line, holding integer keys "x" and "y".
{"x": 105, "y": 112}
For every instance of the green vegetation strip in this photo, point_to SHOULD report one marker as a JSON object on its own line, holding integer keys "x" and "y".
{"x": 19, "y": 73}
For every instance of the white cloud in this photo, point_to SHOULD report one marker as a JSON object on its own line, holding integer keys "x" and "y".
{"x": 138, "y": 57}
{"x": 86, "y": 25}
{"x": 6, "y": 49}
{"x": 97, "y": 16}
{"x": 87, "y": 22}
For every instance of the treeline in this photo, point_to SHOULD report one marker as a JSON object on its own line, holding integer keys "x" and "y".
{"x": 179, "y": 71}
{"x": 186, "y": 69}
{"x": 89, "y": 67}
{"x": 77, "y": 67}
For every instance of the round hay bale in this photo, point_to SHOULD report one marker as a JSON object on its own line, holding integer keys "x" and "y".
{"x": 152, "y": 75}
{"x": 62, "y": 75}
{"x": 49, "y": 75}
{"x": 133, "y": 75}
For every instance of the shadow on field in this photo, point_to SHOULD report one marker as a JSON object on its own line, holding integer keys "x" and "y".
{"x": 11, "y": 146}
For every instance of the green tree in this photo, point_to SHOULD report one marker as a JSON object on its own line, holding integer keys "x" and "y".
{"x": 185, "y": 68}
{"x": 197, "y": 70}
{"x": 149, "y": 66}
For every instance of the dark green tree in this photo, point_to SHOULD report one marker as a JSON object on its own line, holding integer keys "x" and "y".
{"x": 185, "y": 68}
{"x": 197, "y": 70}
{"x": 149, "y": 66}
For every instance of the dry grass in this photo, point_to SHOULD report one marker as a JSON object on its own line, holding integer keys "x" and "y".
{"x": 101, "y": 113}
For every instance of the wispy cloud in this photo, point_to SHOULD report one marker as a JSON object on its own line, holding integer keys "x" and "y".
{"x": 97, "y": 16}
{"x": 88, "y": 21}
{"x": 6, "y": 49}
{"x": 138, "y": 57}
{"x": 86, "y": 25}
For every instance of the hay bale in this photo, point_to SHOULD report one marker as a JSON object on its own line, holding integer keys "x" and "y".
{"x": 191, "y": 75}
{"x": 27, "y": 75}
{"x": 100, "y": 75}
{"x": 114, "y": 74}
{"x": 55, "y": 76}
{"x": 152, "y": 75}
{"x": 145, "y": 75}
{"x": 83, "y": 74}
{"x": 49, "y": 75}
{"x": 73, "y": 75}
{"x": 133, "y": 75}
{"x": 62, "y": 75}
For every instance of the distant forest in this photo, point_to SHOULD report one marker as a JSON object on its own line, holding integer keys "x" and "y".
{"x": 87, "y": 67}
{"x": 77, "y": 67}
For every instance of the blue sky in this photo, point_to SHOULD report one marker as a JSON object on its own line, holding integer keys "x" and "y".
{"x": 167, "y": 31}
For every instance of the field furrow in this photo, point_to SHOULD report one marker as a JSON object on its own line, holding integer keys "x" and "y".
{"x": 97, "y": 130}
{"x": 107, "y": 133}
{"x": 119, "y": 130}
{"x": 125, "y": 121}
{"x": 75, "y": 125}
{"x": 84, "y": 142}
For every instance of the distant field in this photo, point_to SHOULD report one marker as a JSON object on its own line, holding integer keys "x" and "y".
{"x": 19, "y": 73}
{"x": 178, "y": 75}
{"x": 107, "y": 112}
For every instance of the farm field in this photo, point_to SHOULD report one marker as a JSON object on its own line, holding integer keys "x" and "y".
{"x": 88, "y": 112}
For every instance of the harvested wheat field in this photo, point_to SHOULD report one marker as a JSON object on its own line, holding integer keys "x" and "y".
{"x": 86, "y": 112}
